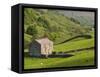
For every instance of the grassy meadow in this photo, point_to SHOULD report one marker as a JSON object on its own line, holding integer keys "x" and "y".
{"x": 79, "y": 58}
{"x": 83, "y": 58}
{"x": 60, "y": 29}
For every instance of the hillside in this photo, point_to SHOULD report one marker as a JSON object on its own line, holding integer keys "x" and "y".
{"x": 84, "y": 18}
{"x": 57, "y": 27}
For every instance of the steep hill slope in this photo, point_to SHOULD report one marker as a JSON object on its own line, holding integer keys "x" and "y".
{"x": 39, "y": 23}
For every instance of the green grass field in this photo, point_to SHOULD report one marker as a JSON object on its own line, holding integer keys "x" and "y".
{"x": 86, "y": 43}
{"x": 83, "y": 58}
{"x": 79, "y": 58}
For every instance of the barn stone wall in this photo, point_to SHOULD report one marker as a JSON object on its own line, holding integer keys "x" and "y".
{"x": 35, "y": 49}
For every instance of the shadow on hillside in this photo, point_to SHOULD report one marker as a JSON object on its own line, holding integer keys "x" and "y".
{"x": 60, "y": 55}
{"x": 53, "y": 55}
{"x": 26, "y": 54}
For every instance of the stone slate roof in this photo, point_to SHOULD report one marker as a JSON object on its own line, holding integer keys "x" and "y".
{"x": 43, "y": 40}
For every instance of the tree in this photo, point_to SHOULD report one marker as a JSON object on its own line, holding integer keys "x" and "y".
{"x": 53, "y": 36}
{"x": 31, "y": 30}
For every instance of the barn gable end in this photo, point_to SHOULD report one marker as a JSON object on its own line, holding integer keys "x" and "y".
{"x": 41, "y": 47}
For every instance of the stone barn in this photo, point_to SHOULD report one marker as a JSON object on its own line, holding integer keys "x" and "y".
{"x": 41, "y": 47}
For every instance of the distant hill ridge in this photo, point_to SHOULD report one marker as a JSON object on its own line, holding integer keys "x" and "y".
{"x": 85, "y": 18}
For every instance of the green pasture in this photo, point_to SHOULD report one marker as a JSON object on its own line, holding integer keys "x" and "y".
{"x": 83, "y": 58}
{"x": 79, "y": 58}
{"x": 86, "y": 43}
